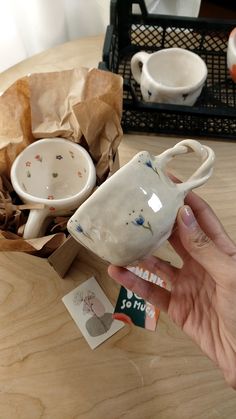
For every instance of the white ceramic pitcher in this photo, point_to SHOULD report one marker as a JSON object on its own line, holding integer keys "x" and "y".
{"x": 134, "y": 211}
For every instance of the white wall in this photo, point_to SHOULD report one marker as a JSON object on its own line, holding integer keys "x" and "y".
{"x": 28, "y": 27}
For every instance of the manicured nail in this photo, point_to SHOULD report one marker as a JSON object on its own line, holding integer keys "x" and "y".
{"x": 188, "y": 217}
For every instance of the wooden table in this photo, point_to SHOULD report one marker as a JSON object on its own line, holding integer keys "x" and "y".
{"x": 47, "y": 369}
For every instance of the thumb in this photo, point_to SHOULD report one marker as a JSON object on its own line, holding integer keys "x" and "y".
{"x": 198, "y": 244}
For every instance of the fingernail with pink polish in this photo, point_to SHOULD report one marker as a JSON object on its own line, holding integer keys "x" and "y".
{"x": 188, "y": 217}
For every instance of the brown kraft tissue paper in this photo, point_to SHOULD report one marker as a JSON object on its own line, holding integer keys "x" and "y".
{"x": 82, "y": 105}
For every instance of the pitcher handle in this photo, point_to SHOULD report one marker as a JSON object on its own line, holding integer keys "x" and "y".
{"x": 202, "y": 174}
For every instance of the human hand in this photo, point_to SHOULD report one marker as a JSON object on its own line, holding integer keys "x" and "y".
{"x": 202, "y": 299}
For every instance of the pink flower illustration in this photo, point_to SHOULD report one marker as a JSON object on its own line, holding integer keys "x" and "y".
{"x": 38, "y": 157}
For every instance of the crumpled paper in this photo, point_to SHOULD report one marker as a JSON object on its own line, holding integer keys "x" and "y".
{"x": 82, "y": 105}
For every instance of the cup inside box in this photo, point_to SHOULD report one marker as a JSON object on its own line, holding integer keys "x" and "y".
{"x": 82, "y": 105}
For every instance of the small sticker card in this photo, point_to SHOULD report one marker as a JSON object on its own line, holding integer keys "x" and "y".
{"x": 132, "y": 309}
{"x": 92, "y": 312}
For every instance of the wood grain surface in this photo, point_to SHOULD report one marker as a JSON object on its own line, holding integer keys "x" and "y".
{"x": 48, "y": 371}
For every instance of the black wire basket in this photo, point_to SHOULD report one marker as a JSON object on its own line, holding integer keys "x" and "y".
{"x": 214, "y": 114}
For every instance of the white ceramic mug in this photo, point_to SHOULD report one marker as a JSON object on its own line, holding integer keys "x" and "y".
{"x": 133, "y": 212}
{"x": 172, "y": 75}
{"x": 231, "y": 54}
{"x": 53, "y": 172}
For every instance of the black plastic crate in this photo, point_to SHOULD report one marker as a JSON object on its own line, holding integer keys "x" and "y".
{"x": 214, "y": 114}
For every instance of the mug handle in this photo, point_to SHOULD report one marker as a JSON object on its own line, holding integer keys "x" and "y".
{"x": 202, "y": 174}
{"x": 140, "y": 57}
{"x": 36, "y": 223}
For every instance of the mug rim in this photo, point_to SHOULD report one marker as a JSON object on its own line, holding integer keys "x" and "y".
{"x": 178, "y": 89}
{"x": 57, "y": 203}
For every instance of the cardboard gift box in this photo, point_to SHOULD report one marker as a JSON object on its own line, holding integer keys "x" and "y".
{"x": 82, "y": 105}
